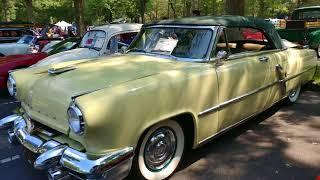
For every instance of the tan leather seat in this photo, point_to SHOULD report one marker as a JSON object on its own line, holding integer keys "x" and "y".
{"x": 252, "y": 46}
{"x": 223, "y": 45}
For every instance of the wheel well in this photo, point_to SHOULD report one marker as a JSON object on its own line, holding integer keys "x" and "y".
{"x": 2, "y": 55}
{"x": 186, "y": 121}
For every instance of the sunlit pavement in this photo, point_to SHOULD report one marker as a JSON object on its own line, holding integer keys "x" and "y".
{"x": 281, "y": 143}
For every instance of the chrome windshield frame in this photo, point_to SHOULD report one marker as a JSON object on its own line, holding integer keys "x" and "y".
{"x": 214, "y": 30}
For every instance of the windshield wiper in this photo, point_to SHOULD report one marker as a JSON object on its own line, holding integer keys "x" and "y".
{"x": 161, "y": 51}
{"x": 137, "y": 50}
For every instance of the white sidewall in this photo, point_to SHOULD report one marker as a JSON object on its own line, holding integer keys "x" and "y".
{"x": 170, "y": 168}
{"x": 296, "y": 96}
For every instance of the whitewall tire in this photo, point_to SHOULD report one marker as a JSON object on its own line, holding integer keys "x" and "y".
{"x": 161, "y": 150}
{"x": 294, "y": 94}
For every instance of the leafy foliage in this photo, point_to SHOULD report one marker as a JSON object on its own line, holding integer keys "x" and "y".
{"x": 101, "y": 11}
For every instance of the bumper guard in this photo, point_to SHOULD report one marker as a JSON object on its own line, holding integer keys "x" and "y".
{"x": 59, "y": 159}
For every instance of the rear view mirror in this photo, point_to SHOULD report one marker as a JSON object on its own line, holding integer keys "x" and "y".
{"x": 221, "y": 55}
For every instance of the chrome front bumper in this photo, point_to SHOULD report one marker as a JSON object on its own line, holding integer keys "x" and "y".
{"x": 61, "y": 161}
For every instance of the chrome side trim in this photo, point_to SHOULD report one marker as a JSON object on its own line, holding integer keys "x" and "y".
{"x": 235, "y": 100}
{"x": 239, "y": 98}
{"x": 233, "y": 125}
{"x": 225, "y": 129}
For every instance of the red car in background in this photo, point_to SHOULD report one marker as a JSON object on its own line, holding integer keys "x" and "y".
{"x": 253, "y": 34}
{"x": 12, "y": 62}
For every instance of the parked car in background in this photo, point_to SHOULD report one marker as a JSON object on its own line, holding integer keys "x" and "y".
{"x": 14, "y": 62}
{"x": 25, "y": 45}
{"x": 11, "y": 35}
{"x": 49, "y": 45}
{"x": 182, "y": 83}
{"x": 65, "y": 45}
{"x": 100, "y": 41}
{"x": 303, "y": 27}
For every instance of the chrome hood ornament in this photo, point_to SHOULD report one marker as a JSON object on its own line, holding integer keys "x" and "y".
{"x": 60, "y": 70}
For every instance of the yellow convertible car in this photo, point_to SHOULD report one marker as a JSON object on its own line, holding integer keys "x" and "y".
{"x": 180, "y": 83}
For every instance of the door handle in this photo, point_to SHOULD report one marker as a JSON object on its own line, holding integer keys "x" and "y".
{"x": 263, "y": 59}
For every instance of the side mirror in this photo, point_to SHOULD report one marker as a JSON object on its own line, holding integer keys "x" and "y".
{"x": 221, "y": 55}
{"x": 123, "y": 49}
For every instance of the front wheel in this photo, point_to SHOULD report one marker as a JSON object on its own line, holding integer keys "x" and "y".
{"x": 294, "y": 94}
{"x": 161, "y": 150}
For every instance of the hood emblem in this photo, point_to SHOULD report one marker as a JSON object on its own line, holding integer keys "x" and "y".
{"x": 60, "y": 70}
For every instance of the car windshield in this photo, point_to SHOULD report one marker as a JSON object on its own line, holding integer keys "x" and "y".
{"x": 93, "y": 39}
{"x": 179, "y": 42}
{"x": 68, "y": 45}
{"x": 310, "y": 14}
{"x": 26, "y": 40}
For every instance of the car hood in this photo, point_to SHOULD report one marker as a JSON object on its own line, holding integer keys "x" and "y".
{"x": 52, "y": 94}
{"x": 13, "y": 48}
{"x": 7, "y": 59}
{"x": 8, "y": 45}
{"x": 74, "y": 54}
{"x": 11, "y": 45}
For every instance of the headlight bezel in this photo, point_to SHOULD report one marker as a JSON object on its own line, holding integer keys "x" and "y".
{"x": 13, "y": 86}
{"x": 75, "y": 119}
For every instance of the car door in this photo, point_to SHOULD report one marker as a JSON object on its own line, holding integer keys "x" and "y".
{"x": 245, "y": 77}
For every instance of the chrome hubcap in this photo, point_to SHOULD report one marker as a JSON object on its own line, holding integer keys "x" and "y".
{"x": 160, "y": 149}
{"x": 292, "y": 93}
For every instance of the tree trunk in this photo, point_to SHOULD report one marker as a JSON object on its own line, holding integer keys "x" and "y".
{"x": 235, "y": 7}
{"x": 188, "y": 8}
{"x": 5, "y": 10}
{"x": 142, "y": 9}
{"x": 29, "y": 10}
{"x": 172, "y": 5}
{"x": 214, "y": 8}
{"x": 301, "y": 3}
{"x": 156, "y": 10}
{"x": 79, "y": 7}
{"x": 262, "y": 8}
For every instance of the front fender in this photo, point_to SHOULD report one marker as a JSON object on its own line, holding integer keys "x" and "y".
{"x": 116, "y": 117}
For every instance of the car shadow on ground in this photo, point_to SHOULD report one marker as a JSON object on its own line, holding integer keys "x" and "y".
{"x": 280, "y": 143}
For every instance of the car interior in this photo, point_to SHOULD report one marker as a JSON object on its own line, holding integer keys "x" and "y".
{"x": 241, "y": 40}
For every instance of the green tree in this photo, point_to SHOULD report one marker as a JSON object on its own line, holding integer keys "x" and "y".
{"x": 79, "y": 8}
{"x": 235, "y": 7}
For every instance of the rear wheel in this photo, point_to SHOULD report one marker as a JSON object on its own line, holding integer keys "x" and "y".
{"x": 161, "y": 150}
{"x": 294, "y": 94}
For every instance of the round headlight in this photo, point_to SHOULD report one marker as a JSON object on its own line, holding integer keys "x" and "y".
{"x": 11, "y": 85}
{"x": 75, "y": 119}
